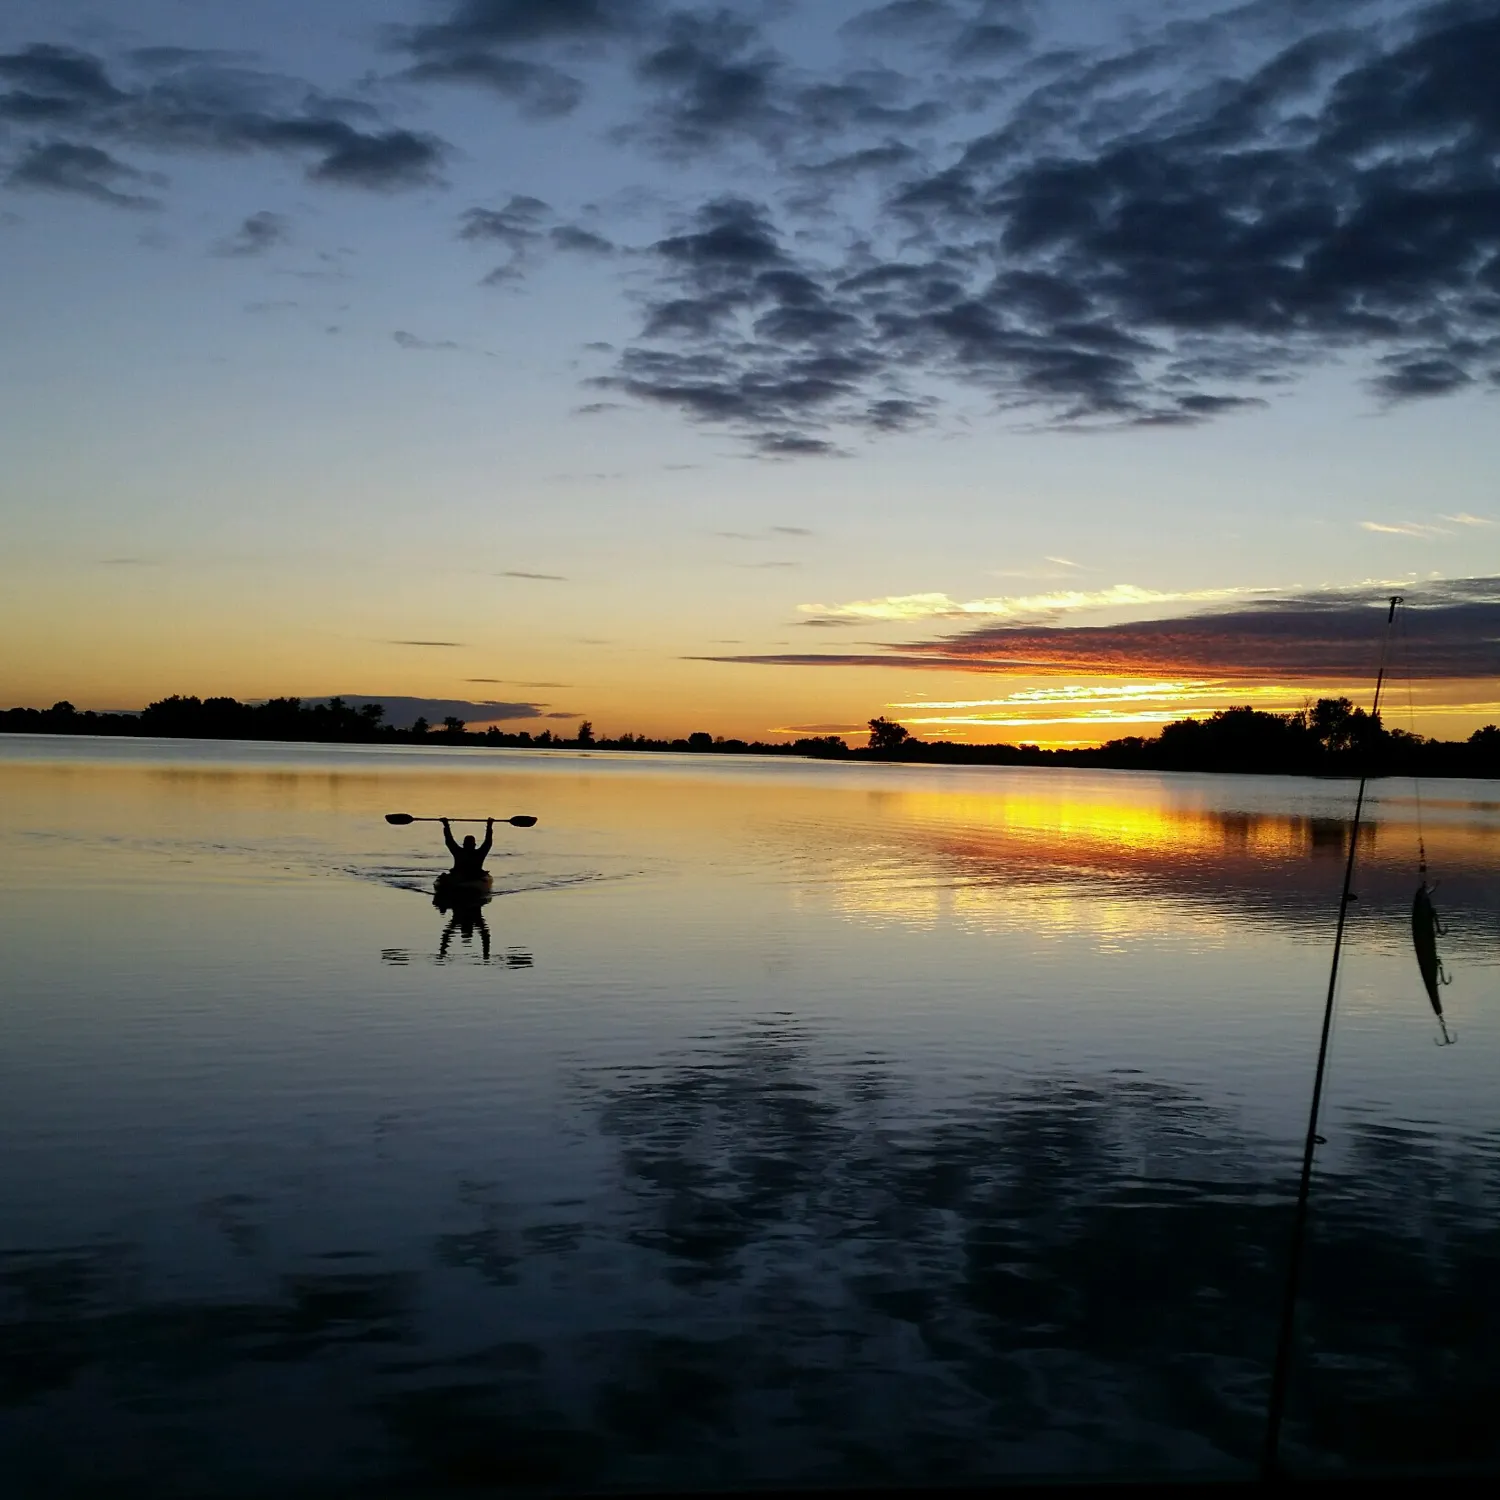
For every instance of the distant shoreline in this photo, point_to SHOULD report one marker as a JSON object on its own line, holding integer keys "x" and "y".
{"x": 1333, "y": 738}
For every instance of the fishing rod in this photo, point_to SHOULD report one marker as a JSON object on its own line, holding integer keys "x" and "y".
{"x": 521, "y": 820}
{"x": 1281, "y": 1371}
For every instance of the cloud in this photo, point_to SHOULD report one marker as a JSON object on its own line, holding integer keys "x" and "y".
{"x": 743, "y": 334}
{"x": 53, "y": 85}
{"x": 260, "y": 232}
{"x": 402, "y": 711}
{"x": 515, "y": 226}
{"x": 1162, "y": 225}
{"x": 965, "y": 31}
{"x": 86, "y": 171}
{"x": 1450, "y": 630}
{"x": 580, "y": 241}
{"x": 411, "y": 341}
{"x": 769, "y": 534}
{"x": 1404, "y": 528}
{"x": 821, "y": 729}
{"x": 1463, "y": 518}
{"x": 1405, "y": 377}
{"x": 509, "y": 23}
{"x": 484, "y": 44}
{"x": 451, "y": 645}
{"x": 520, "y": 226}
{"x": 886, "y": 157}
{"x": 380, "y": 160}
{"x": 538, "y": 577}
{"x": 1076, "y": 693}
{"x": 1159, "y": 232}
{"x": 185, "y": 101}
{"x": 795, "y": 445}
{"x": 706, "y": 76}
{"x": 712, "y": 76}
{"x": 1027, "y": 607}
{"x": 541, "y": 91}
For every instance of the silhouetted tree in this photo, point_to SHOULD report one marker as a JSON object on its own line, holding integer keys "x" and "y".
{"x": 1331, "y": 735}
{"x": 1340, "y": 727}
{"x": 886, "y": 736}
{"x": 1485, "y": 751}
{"x": 1234, "y": 739}
{"x": 821, "y": 747}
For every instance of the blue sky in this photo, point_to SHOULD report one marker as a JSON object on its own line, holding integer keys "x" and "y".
{"x": 760, "y": 331}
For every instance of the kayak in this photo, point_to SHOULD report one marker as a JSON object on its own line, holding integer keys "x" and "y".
{"x": 460, "y": 891}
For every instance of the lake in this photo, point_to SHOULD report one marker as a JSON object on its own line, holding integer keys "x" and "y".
{"x": 776, "y": 1123}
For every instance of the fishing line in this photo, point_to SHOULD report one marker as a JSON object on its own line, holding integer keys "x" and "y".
{"x": 1281, "y": 1370}
{"x": 1390, "y": 650}
{"x": 1411, "y": 724}
{"x": 1427, "y": 927}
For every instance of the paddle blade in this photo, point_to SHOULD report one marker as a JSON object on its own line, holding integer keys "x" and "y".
{"x": 399, "y": 819}
{"x": 523, "y": 820}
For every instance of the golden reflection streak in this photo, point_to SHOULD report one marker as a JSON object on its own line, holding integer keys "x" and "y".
{"x": 1100, "y": 865}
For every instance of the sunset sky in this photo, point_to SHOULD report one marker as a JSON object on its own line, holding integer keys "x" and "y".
{"x": 1021, "y": 369}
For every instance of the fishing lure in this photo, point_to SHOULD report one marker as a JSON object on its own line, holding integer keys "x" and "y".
{"x": 1426, "y": 929}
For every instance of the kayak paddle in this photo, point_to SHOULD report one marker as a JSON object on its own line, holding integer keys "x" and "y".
{"x": 521, "y": 820}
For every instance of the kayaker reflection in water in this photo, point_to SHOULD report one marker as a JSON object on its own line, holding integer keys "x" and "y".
{"x": 465, "y": 921}
{"x": 469, "y": 857}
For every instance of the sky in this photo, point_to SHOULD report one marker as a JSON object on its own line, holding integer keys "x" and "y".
{"x": 1024, "y": 370}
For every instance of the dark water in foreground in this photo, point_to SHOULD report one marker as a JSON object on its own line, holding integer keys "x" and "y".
{"x": 775, "y": 1125}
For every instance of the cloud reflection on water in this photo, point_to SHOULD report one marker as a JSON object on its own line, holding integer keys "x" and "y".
{"x": 790, "y": 1273}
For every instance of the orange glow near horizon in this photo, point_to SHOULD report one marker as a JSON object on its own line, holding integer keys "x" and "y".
{"x": 137, "y": 636}
{"x": 670, "y": 704}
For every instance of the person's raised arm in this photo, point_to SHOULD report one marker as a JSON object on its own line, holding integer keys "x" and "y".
{"x": 449, "y": 840}
{"x": 489, "y": 837}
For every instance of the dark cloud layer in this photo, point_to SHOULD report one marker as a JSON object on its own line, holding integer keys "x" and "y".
{"x": 492, "y": 44}
{"x": 1451, "y": 630}
{"x": 1160, "y": 224}
{"x": 742, "y": 333}
{"x": 708, "y": 75}
{"x": 87, "y": 171}
{"x": 1151, "y": 236}
{"x": 77, "y": 112}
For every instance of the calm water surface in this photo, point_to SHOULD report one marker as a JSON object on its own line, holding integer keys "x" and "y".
{"x": 774, "y": 1124}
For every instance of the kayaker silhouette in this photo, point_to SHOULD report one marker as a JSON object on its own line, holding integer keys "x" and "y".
{"x": 469, "y": 858}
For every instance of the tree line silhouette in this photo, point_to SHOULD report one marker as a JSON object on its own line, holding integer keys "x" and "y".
{"x": 1329, "y": 737}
